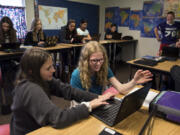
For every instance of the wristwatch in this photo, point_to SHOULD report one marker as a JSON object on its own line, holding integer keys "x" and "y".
{"x": 87, "y": 104}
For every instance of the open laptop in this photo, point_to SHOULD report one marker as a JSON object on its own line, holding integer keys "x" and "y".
{"x": 96, "y": 37}
{"x": 119, "y": 109}
{"x": 78, "y": 39}
{"x": 117, "y": 36}
{"x": 10, "y": 46}
{"x": 170, "y": 53}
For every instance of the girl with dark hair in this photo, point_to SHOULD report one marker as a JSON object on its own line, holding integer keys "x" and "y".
{"x": 32, "y": 107}
{"x": 68, "y": 33}
{"x": 7, "y": 32}
{"x": 112, "y": 32}
{"x": 82, "y": 30}
{"x": 7, "y": 35}
{"x": 36, "y": 36}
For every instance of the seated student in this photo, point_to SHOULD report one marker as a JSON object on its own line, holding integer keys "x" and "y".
{"x": 112, "y": 32}
{"x": 32, "y": 107}
{"x": 7, "y": 35}
{"x": 68, "y": 33}
{"x": 36, "y": 36}
{"x": 82, "y": 30}
{"x": 93, "y": 72}
{"x": 7, "y": 31}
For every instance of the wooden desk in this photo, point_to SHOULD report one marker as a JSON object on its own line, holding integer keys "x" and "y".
{"x": 130, "y": 126}
{"x": 160, "y": 67}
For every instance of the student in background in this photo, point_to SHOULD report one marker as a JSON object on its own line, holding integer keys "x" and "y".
{"x": 32, "y": 107}
{"x": 7, "y": 68}
{"x": 7, "y": 31}
{"x": 167, "y": 32}
{"x": 68, "y": 33}
{"x": 111, "y": 33}
{"x": 82, "y": 30}
{"x": 93, "y": 73}
{"x": 36, "y": 36}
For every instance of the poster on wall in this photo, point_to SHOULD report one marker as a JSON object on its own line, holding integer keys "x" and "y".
{"x": 135, "y": 19}
{"x": 124, "y": 16}
{"x": 152, "y": 8}
{"x": 53, "y": 17}
{"x": 148, "y": 25}
{"x": 111, "y": 16}
{"x": 172, "y": 5}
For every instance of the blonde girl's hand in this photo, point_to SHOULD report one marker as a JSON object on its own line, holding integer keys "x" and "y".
{"x": 142, "y": 76}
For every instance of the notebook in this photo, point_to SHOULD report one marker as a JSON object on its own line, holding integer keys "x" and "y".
{"x": 146, "y": 62}
{"x": 119, "y": 109}
{"x": 170, "y": 53}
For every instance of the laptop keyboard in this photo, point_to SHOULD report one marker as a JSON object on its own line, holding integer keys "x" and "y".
{"x": 107, "y": 113}
{"x": 146, "y": 62}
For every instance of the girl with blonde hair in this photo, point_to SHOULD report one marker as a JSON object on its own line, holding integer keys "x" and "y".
{"x": 93, "y": 73}
{"x": 36, "y": 36}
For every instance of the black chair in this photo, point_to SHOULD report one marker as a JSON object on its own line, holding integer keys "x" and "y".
{"x": 175, "y": 74}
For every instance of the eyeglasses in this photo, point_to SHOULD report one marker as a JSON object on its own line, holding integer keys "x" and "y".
{"x": 95, "y": 61}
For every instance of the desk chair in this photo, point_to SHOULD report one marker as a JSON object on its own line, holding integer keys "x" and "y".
{"x": 5, "y": 129}
{"x": 175, "y": 72}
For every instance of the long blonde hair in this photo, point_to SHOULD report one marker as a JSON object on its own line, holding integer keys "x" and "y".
{"x": 33, "y": 29}
{"x": 84, "y": 68}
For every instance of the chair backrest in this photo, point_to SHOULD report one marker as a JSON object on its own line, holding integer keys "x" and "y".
{"x": 127, "y": 38}
{"x": 175, "y": 74}
{"x": 5, "y": 129}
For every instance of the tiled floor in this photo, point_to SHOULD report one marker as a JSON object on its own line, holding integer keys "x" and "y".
{"x": 122, "y": 73}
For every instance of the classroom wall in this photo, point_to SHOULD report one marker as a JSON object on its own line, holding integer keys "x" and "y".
{"x": 145, "y": 45}
{"x": 101, "y": 12}
{"x": 29, "y": 12}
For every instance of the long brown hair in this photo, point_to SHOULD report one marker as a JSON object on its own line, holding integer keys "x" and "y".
{"x": 11, "y": 32}
{"x": 30, "y": 65}
{"x": 85, "y": 74}
{"x": 33, "y": 29}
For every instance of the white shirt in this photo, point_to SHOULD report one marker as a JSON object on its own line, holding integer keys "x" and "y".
{"x": 84, "y": 33}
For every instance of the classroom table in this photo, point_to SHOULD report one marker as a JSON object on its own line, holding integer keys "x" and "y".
{"x": 129, "y": 126}
{"x": 162, "y": 68}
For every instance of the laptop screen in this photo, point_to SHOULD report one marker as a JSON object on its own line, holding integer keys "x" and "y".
{"x": 132, "y": 102}
{"x": 5, "y": 46}
{"x": 170, "y": 52}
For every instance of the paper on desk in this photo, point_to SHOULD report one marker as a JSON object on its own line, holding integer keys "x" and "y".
{"x": 149, "y": 98}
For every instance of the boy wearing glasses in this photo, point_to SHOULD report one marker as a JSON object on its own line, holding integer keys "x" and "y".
{"x": 93, "y": 73}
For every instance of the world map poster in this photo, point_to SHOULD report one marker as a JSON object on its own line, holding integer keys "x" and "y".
{"x": 135, "y": 20}
{"x": 53, "y": 17}
{"x": 172, "y": 5}
{"x": 124, "y": 14}
{"x": 111, "y": 16}
{"x": 152, "y": 8}
{"x": 148, "y": 25}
